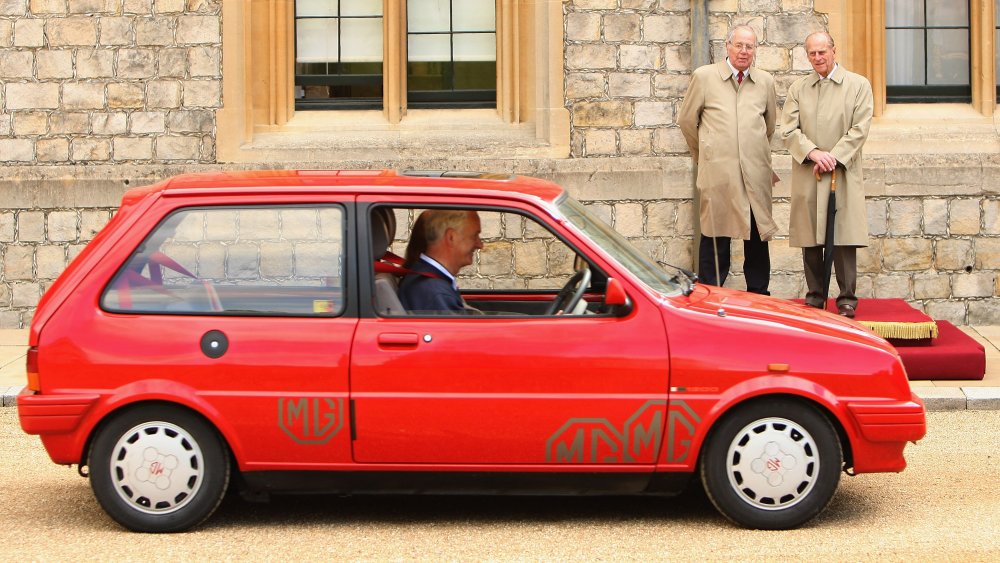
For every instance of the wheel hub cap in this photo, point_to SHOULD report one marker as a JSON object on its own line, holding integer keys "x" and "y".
{"x": 773, "y": 463}
{"x": 157, "y": 467}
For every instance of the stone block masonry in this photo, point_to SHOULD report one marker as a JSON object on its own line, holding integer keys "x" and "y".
{"x": 95, "y": 81}
{"x": 628, "y": 65}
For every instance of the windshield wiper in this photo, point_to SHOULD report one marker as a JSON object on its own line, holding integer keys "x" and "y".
{"x": 690, "y": 278}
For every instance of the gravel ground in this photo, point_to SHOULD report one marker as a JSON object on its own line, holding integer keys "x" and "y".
{"x": 946, "y": 505}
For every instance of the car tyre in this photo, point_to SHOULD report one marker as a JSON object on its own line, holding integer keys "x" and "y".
{"x": 773, "y": 464}
{"x": 157, "y": 468}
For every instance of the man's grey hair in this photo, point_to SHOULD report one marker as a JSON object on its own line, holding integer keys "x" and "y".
{"x": 735, "y": 28}
{"x": 438, "y": 221}
{"x": 829, "y": 38}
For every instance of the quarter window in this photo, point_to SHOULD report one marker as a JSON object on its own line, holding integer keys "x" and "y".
{"x": 250, "y": 260}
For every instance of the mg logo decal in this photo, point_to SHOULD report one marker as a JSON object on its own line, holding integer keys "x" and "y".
{"x": 311, "y": 420}
{"x": 682, "y": 422}
{"x": 597, "y": 440}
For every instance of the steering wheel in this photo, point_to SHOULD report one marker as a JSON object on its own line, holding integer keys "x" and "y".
{"x": 570, "y": 295}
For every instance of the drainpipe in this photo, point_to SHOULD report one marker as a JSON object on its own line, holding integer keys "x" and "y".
{"x": 701, "y": 54}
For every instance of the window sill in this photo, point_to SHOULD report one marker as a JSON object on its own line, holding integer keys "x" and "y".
{"x": 933, "y": 129}
{"x": 332, "y": 136}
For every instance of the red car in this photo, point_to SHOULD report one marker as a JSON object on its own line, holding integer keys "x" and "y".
{"x": 243, "y": 328}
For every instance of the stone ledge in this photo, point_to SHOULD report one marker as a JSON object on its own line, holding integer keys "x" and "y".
{"x": 9, "y": 398}
{"x": 983, "y": 398}
{"x": 942, "y": 398}
{"x": 640, "y": 178}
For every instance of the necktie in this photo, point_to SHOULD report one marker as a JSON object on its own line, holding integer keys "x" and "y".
{"x": 739, "y": 77}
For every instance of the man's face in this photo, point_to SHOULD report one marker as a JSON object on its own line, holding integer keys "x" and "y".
{"x": 741, "y": 49}
{"x": 821, "y": 55}
{"x": 466, "y": 241}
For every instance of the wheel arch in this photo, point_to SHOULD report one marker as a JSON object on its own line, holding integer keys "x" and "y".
{"x": 823, "y": 408}
{"x": 118, "y": 409}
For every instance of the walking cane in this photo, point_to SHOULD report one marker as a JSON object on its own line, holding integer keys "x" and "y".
{"x": 831, "y": 212}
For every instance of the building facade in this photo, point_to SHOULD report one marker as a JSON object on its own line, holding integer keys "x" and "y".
{"x": 98, "y": 96}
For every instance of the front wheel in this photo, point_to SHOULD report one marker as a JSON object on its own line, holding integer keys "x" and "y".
{"x": 772, "y": 464}
{"x": 157, "y": 468}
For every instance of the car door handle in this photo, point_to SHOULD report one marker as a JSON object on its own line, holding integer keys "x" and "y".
{"x": 398, "y": 340}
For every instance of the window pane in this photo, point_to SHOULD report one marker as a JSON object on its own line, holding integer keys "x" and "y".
{"x": 261, "y": 261}
{"x": 316, "y": 41}
{"x": 362, "y": 40}
{"x": 360, "y": 7}
{"x": 476, "y": 75}
{"x": 315, "y": 8}
{"x": 428, "y": 15}
{"x": 904, "y": 13}
{"x": 942, "y": 13}
{"x": 474, "y": 15}
{"x": 996, "y": 59}
{"x": 947, "y": 56}
{"x": 475, "y": 47}
{"x": 435, "y": 47}
{"x": 904, "y": 54}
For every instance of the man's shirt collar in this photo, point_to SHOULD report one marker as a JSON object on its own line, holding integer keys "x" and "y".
{"x": 746, "y": 73}
{"x": 831, "y": 73}
{"x": 437, "y": 266}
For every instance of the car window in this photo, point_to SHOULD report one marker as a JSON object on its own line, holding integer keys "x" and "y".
{"x": 518, "y": 256}
{"x": 622, "y": 250}
{"x": 228, "y": 260}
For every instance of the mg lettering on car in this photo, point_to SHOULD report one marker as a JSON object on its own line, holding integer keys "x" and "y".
{"x": 311, "y": 420}
{"x": 597, "y": 440}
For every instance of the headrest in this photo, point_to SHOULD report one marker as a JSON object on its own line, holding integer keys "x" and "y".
{"x": 383, "y": 230}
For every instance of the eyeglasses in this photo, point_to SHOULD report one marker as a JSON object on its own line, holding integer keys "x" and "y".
{"x": 748, "y": 47}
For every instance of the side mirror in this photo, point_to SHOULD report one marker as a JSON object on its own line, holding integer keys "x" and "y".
{"x": 615, "y": 299}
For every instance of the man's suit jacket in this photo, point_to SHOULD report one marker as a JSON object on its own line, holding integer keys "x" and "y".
{"x": 728, "y": 128}
{"x": 429, "y": 291}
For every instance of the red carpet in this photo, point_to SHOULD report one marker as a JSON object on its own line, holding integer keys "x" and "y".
{"x": 952, "y": 355}
{"x": 929, "y": 349}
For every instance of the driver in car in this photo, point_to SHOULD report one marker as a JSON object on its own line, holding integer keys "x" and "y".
{"x": 452, "y": 239}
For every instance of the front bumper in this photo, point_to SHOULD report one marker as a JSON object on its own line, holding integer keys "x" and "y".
{"x": 884, "y": 428}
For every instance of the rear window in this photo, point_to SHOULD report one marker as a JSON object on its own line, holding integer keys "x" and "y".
{"x": 276, "y": 260}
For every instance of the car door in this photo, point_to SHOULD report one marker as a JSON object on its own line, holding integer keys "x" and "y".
{"x": 495, "y": 389}
{"x": 244, "y": 310}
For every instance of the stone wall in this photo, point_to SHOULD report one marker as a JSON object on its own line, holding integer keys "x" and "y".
{"x": 97, "y": 96}
{"x": 109, "y": 81}
{"x": 628, "y": 65}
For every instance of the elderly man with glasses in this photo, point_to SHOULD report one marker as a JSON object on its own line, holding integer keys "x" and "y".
{"x": 728, "y": 118}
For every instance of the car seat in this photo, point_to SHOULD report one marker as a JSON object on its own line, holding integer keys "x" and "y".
{"x": 388, "y": 267}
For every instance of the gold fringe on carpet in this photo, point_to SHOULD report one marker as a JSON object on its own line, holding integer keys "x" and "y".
{"x": 904, "y": 331}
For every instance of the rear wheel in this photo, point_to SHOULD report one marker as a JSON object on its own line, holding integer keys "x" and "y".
{"x": 158, "y": 469}
{"x": 772, "y": 464}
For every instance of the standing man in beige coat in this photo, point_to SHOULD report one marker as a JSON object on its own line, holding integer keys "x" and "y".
{"x": 825, "y": 123}
{"x": 727, "y": 118}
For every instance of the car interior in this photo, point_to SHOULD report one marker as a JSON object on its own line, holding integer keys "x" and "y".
{"x": 572, "y": 287}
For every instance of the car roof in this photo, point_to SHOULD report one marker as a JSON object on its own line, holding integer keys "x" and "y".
{"x": 360, "y": 181}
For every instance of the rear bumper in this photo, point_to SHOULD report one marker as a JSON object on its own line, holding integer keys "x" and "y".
{"x": 884, "y": 428}
{"x": 52, "y": 414}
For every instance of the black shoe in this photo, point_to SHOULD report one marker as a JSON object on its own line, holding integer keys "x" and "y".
{"x": 846, "y": 310}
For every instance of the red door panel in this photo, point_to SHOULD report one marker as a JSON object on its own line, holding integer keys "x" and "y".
{"x": 533, "y": 390}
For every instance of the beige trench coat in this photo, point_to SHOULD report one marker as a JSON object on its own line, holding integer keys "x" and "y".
{"x": 834, "y": 116}
{"x": 728, "y": 129}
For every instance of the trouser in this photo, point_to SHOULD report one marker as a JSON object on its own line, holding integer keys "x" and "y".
{"x": 756, "y": 260}
{"x": 845, "y": 263}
